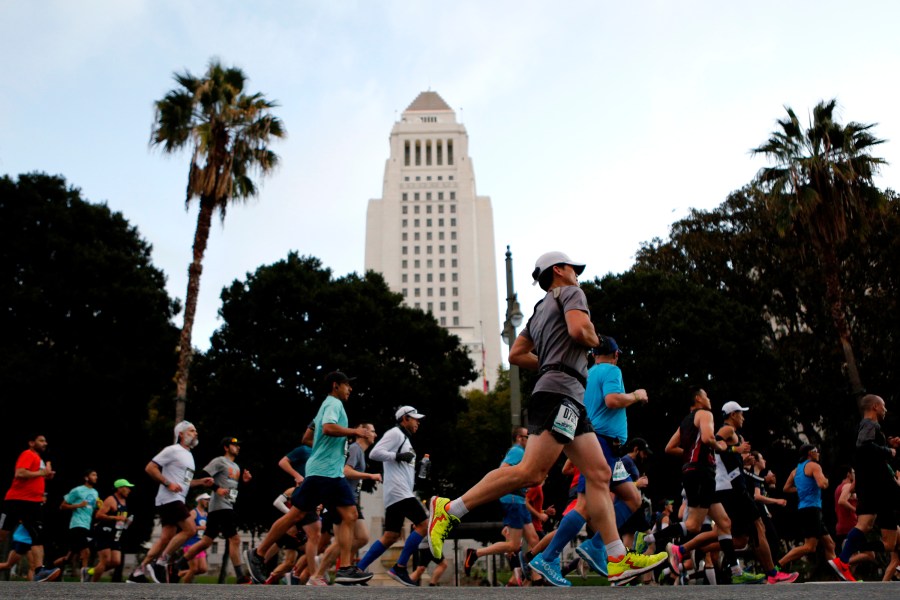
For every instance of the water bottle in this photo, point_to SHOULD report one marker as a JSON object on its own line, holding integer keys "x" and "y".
{"x": 424, "y": 467}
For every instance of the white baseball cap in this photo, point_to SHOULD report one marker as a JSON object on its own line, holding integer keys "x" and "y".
{"x": 548, "y": 259}
{"x": 407, "y": 411}
{"x": 732, "y": 406}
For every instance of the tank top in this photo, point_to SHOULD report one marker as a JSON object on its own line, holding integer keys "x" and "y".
{"x": 846, "y": 518}
{"x": 730, "y": 474}
{"x": 199, "y": 521}
{"x": 696, "y": 454}
{"x": 807, "y": 489}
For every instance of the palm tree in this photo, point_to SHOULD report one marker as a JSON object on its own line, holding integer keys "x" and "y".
{"x": 821, "y": 188}
{"x": 228, "y": 132}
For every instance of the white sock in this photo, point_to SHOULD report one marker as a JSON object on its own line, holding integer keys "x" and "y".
{"x": 457, "y": 508}
{"x": 616, "y": 549}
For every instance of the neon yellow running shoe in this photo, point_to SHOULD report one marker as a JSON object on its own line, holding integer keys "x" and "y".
{"x": 634, "y": 564}
{"x": 440, "y": 522}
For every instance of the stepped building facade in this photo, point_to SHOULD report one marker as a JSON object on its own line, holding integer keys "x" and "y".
{"x": 432, "y": 236}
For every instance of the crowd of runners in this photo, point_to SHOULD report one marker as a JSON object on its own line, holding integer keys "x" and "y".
{"x": 721, "y": 533}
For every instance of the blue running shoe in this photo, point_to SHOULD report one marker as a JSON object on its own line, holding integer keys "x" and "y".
{"x": 550, "y": 571}
{"x": 595, "y": 557}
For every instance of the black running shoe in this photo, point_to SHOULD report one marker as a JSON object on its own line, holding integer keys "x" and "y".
{"x": 471, "y": 557}
{"x": 157, "y": 573}
{"x": 137, "y": 578}
{"x": 401, "y": 575}
{"x": 352, "y": 574}
{"x": 256, "y": 564}
{"x": 47, "y": 574}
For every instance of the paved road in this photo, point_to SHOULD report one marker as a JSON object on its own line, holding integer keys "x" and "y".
{"x": 104, "y": 591}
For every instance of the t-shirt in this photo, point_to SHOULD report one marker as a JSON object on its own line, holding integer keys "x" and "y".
{"x": 30, "y": 490}
{"x": 399, "y": 477}
{"x": 82, "y": 517}
{"x": 631, "y": 467}
{"x": 513, "y": 457}
{"x": 226, "y": 474}
{"x": 298, "y": 457}
{"x": 177, "y": 465}
{"x": 356, "y": 460}
{"x": 846, "y": 518}
{"x": 535, "y": 497}
{"x": 548, "y": 331}
{"x": 603, "y": 379}
{"x": 328, "y": 452}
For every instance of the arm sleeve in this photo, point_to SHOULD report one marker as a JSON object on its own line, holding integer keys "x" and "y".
{"x": 385, "y": 449}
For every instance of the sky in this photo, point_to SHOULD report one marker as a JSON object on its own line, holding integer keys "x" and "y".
{"x": 593, "y": 125}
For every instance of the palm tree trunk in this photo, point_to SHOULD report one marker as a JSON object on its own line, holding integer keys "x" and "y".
{"x": 834, "y": 295}
{"x": 185, "y": 349}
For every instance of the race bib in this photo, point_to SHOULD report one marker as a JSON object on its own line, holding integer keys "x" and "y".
{"x": 232, "y": 495}
{"x": 565, "y": 422}
{"x": 619, "y": 472}
{"x": 188, "y": 477}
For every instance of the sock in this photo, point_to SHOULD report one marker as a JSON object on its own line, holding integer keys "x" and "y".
{"x": 411, "y": 545}
{"x": 623, "y": 513}
{"x": 457, "y": 508}
{"x": 566, "y": 532}
{"x": 727, "y": 546}
{"x": 238, "y": 571}
{"x": 772, "y": 573}
{"x": 650, "y": 538}
{"x": 374, "y": 552}
{"x": 616, "y": 550}
{"x": 853, "y": 543}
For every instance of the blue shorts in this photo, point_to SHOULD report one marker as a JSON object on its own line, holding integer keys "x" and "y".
{"x": 515, "y": 516}
{"x": 316, "y": 490}
{"x": 609, "y": 453}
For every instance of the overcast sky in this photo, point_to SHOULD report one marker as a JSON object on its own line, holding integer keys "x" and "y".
{"x": 592, "y": 125}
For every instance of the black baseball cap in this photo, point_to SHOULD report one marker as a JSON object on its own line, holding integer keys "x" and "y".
{"x": 337, "y": 377}
{"x": 227, "y": 441}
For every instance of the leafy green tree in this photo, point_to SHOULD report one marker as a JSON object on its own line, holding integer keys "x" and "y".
{"x": 821, "y": 186}
{"x": 87, "y": 335}
{"x": 228, "y": 132}
{"x": 287, "y": 325}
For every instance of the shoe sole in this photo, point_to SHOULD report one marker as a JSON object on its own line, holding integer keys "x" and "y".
{"x": 351, "y": 581}
{"x": 587, "y": 558}
{"x": 435, "y": 552}
{"x": 53, "y": 577}
{"x": 248, "y": 558}
{"x": 624, "y": 582}
{"x": 838, "y": 571}
{"x": 674, "y": 560}
{"x": 400, "y": 580}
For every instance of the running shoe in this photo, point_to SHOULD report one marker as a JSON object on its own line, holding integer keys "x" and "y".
{"x": 401, "y": 575}
{"x": 157, "y": 573}
{"x": 633, "y": 564}
{"x": 440, "y": 522}
{"x": 676, "y": 558}
{"x": 747, "y": 577}
{"x": 317, "y": 581}
{"x": 352, "y": 575}
{"x": 523, "y": 562}
{"x": 47, "y": 574}
{"x": 256, "y": 564}
{"x": 244, "y": 580}
{"x": 640, "y": 543}
{"x": 593, "y": 556}
{"x": 85, "y": 575}
{"x": 782, "y": 577}
{"x": 550, "y": 571}
{"x": 471, "y": 557}
{"x": 841, "y": 568}
{"x": 137, "y": 578}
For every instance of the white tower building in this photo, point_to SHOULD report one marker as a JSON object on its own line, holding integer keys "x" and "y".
{"x": 432, "y": 236}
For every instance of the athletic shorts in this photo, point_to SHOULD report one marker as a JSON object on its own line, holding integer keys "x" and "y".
{"x": 316, "y": 490}
{"x": 173, "y": 513}
{"x": 882, "y": 499}
{"x": 515, "y": 516}
{"x": 201, "y": 554}
{"x": 424, "y": 556}
{"x": 220, "y": 522}
{"x": 560, "y": 415}
{"x": 105, "y": 538}
{"x": 699, "y": 487}
{"x": 810, "y": 523}
{"x": 619, "y": 476}
{"x": 25, "y": 512}
{"x": 408, "y": 508}
{"x": 741, "y": 510}
{"x": 79, "y": 538}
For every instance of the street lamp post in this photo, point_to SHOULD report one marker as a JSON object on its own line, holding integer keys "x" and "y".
{"x": 513, "y": 320}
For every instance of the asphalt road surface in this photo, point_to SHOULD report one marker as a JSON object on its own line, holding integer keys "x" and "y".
{"x": 112, "y": 591}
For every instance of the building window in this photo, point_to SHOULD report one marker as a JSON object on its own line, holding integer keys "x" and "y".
{"x": 454, "y": 276}
{"x": 449, "y": 152}
{"x": 440, "y": 195}
{"x": 452, "y": 208}
{"x": 416, "y": 292}
{"x": 429, "y": 277}
{"x": 403, "y": 250}
{"x": 416, "y": 221}
{"x": 443, "y": 276}
{"x": 404, "y": 222}
{"x": 453, "y": 249}
{"x": 417, "y": 236}
{"x": 440, "y": 235}
{"x": 416, "y": 264}
{"x": 416, "y": 250}
{"x": 428, "y": 209}
{"x": 429, "y": 263}
{"x": 452, "y": 235}
{"x": 405, "y": 209}
{"x": 416, "y": 277}
{"x": 431, "y": 307}
{"x": 453, "y": 195}
{"x": 416, "y": 196}
{"x": 440, "y": 222}
{"x": 430, "y": 292}
{"x": 442, "y": 263}
{"x": 404, "y": 236}
{"x": 427, "y": 222}
{"x": 406, "y": 179}
{"x": 416, "y": 209}
{"x": 440, "y": 249}
{"x": 441, "y": 208}
{"x": 418, "y": 178}
{"x": 443, "y": 321}
{"x": 428, "y": 153}
{"x": 405, "y": 197}
{"x": 428, "y": 179}
{"x": 406, "y": 155}
{"x": 428, "y": 194}
{"x": 456, "y": 291}
{"x": 403, "y": 278}
{"x": 452, "y": 221}
{"x": 443, "y": 306}
{"x": 443, "y": 291}
{"x": 456, "y": 306}
{"x": 453, "y": 263}
{"x": 418, "y": 305}
{"x": 404, "y": 264}
{"x": 428, "y": 235}
{"x": 404, "y": 292}
{"x": 429, "y": 248}
{"x": 456, "y": 321}
{"x": 418, "y": 155}
{"x": 450, "y": 178}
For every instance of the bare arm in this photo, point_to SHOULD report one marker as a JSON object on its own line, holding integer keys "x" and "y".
{"x": 569, "y": 467}
{"x": 522, "y": 354}
{"x": 581, "y": 329}
{"x": 152, "y": 469}
{"x": 817, "y": 474}
{"x": 704, "y": 421}
{"x": 308, "y": 436}
{"x": 759, "y": 497}
{"x": 674, "y": 445}
{"x": 351, "y": 473}
{"x": 844, "y": 498}
{"x": 789, "y": 487}
{"x": 625, "y": 400}
{"x": 285, "y": 465}
{"x": 335, "y": 430}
